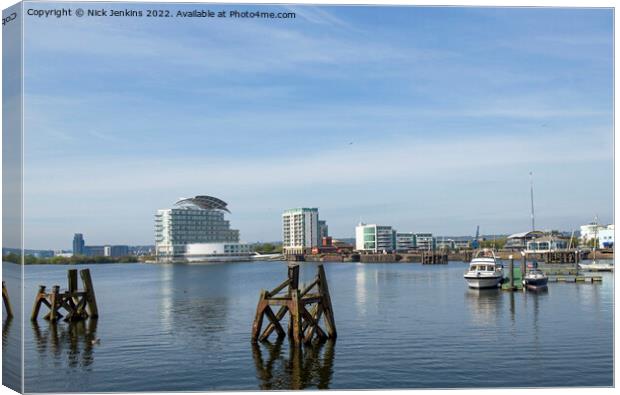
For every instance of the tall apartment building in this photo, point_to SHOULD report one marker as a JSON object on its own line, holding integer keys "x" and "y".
{"x": 300, "y": 230}
{"x": 374, "y": 238}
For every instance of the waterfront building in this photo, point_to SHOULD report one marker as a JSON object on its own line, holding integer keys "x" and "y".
{"x": 94, "y": 250}
{"x": 546, "y": 244}
{"x": 374, "y": 238}
{"x": 462, "y": 244}
{"x": 323, "y": 229}
{"x": 425, "y": 241}
{"x": 116, "y": 250}
{"x": 78, "y": 244}
{"x": 195, "y": 230}
{"x": 445, "y": 244}
{"x": 606, "y": 237}
{"x": 518, "y": 241}
{"x": 594, "y": 230}
{"x": 300, "y": 230}
{"x": 405, "y": 241}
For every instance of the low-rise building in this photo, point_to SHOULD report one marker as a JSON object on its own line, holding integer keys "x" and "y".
{"x": 94, "y": 250}
{"x": 405, "y": 241}
{"x": 606, "y": 237}
{"x": 425, "y": 241}
{"x": 116, "y": 250}
{"x": 374, "y": 238}
{"x": 518, "y": 241}
{"x": 604, "y": 233}
{"x": 462, "y": 244}
{"x": 445, "y": 244}
{"x": 546, "y": 244}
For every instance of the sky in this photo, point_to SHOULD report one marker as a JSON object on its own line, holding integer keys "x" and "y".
{"x": 426, "y": 119}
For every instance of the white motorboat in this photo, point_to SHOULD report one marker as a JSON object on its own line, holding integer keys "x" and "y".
{"x": 597, "y": 267}
{"x": 484, "y": 270}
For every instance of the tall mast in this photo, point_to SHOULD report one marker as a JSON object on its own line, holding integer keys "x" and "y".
{"x": 532, "y": 199}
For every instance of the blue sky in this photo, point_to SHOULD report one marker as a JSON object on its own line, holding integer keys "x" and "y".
{"x": 427, "y": 119}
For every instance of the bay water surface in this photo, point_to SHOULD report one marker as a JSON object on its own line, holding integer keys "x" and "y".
{"x": 178, "y": 327}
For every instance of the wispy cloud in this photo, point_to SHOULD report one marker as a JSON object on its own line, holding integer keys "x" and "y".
{"x": 351, "y": 111}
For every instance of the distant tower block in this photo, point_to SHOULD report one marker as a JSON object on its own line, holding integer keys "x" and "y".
{"x": 305, "y": 308}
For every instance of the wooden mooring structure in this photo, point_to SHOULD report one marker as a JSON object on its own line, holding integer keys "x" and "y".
{"x": 78, "y": 304}
{"x": 557, "y": 256}
{"x": 305, "y": 308}
{"x": 6, "y": 301}
{"x": 434, "y": 258}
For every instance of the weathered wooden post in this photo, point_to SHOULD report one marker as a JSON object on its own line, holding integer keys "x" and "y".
{"x": 295, "y": 309}
{"x": 72, "y": 282}
{"x": 54, "y": 315}
{"x": 91, "y": 301}
{"x": 511, "y": 269}
{"x": 293, "y": 276}
{"x": 6, "y": 301}
{"x": 523, "y": 264}
{"x": 330, "y": 323}
{"x": 40, "y": 298}
{"x": 576, "y": 261}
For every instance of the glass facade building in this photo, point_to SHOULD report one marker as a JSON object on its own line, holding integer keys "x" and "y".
{"x": 375, "y": 238}
{"x": 193, "y": 222}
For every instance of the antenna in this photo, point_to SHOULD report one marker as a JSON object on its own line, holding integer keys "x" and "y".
{"x": 532, "y": 199}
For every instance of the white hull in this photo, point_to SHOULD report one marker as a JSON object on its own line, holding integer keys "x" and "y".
{"x": 598, "y": 267}
{"x": 483, "y": 282}
{"x": 484, "y": 271}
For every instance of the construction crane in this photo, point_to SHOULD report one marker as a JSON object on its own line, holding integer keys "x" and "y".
{"x": 475, "y": 244}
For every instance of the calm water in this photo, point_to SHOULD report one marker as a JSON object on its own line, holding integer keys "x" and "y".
{"x": 187, "y": 327}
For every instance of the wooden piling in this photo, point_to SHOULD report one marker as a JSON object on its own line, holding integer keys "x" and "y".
{"x": 6, "y": 301}
{"x": 305, "y": 307}
{"x": 78, "y": 304}
{"x": 511, "y": 274}
{"x": 39, "y": 299}
{"x": 330, "y": 322}
{"x": 91, "y": 301}
{"x": 72, "y": 280}
{"x": 53, "y": 315}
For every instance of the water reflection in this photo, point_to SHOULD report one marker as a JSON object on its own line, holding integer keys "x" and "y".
{"x": 306, "y": 366}
{"x": 76, "y": 340}
{"x": 6, "y": 327}
{"x": 188, "y": 306}
{"x": 484, "y": 305}
{"x": 361, "y": 302}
